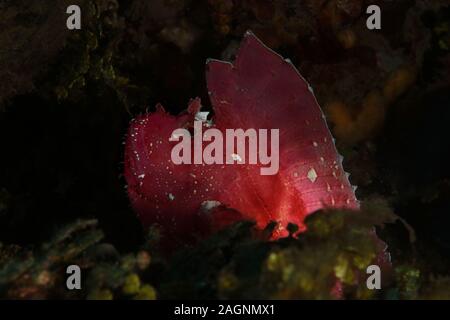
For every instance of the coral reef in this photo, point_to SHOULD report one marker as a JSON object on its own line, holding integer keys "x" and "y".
{"x": 329, "y": 261}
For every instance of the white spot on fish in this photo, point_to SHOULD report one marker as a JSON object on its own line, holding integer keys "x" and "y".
{"x": 201, "y": 116}
{"x": 171, "y": 197}
{"x": 236, "y": 157}
{"x": 208, "y": 205}
{"x": 312, "y": 175}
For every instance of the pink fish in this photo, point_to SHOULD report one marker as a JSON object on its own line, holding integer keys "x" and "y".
{"x": 260, "y": 91}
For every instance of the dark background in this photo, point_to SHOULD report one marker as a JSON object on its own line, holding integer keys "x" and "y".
{"x": 66, "y": 98}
